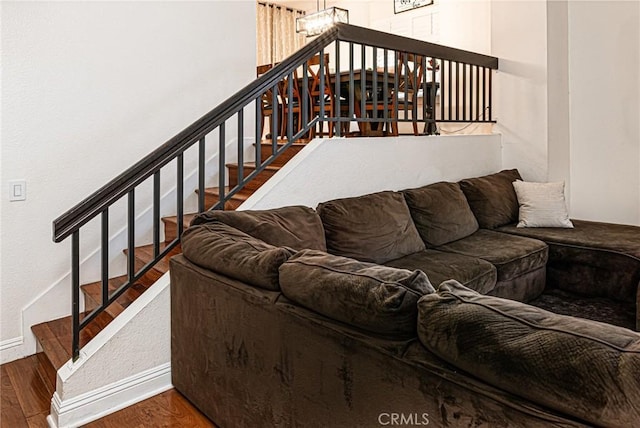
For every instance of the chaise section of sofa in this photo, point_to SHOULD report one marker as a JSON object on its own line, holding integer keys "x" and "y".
{"x": 592, "y": 259}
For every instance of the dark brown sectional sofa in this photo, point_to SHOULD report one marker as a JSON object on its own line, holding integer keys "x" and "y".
{"x": 412, "y": 308}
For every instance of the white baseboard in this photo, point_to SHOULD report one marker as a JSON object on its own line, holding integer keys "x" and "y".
{"x": 101, "y": 402}
{"x": 11, "y": 349}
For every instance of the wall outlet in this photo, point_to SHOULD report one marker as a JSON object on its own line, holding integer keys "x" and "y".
{"x": 17, "y": 190}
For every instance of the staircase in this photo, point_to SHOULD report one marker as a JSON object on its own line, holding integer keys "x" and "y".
{"x": 54, "y": 337}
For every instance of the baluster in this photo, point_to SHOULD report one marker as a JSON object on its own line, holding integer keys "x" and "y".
{"x": 405, "y": 65}
{"x": 258, "y": 146}
{"x": 471, "y": 92}
{"x": 374, "y": 84}
{"x": 274, "y": 115}
{"x": 337, "y": 92}
{"x": 484, "y": 93}
{"x": 489, "y": 115}
{"x": 180, "y": 193}
{"x": 477, "y": 92}
{"x": 351, "y": 83}
{"x": 222, "y": 164}
{"x": 201, "y": 174}
{"x": 464, "y": 91}
{"x": 306, "y": 117}
{"x": 131, "y": 233}
{"x": 240, "y": 146}
{"x": 322, "y": 90}
{"x": 450, "y": 86}
{"x": 156, "y": 213}
{"x": 363, "y": 88}
{"x": 385, "y": 87}
{"x": 75, "y": 294}
{"x": 104, "y": 262}
{"x": 290, "y": 106}
{"x": 425, "y": 69}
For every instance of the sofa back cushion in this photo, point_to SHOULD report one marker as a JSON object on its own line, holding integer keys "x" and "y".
{"x": 297, "y": 227}
{"x": 586, "y": 369}
{"x": 441, "y": 213}
{"x": 378, "y": 299}
{"x": 492, "y": 198}
{"x": 226, "y": 250}
{"x": 372, "y": 228}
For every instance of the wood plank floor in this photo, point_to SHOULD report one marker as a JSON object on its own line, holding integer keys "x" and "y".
{"x": 25, "y": 403}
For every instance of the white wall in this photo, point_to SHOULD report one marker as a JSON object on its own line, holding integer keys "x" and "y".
{"x": 604, "y": 51}
{"x": 88, "y": 89}
{"x": 519, "y": 40}
{"x": 337, "y": 168}
{"x": 559, "y": 133}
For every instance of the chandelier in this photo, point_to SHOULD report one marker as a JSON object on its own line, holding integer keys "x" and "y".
{"x": 320, "y": 21}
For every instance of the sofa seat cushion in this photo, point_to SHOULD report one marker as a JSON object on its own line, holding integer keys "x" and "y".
{"x": 296, "y": 227}
{"x": 378, "y": 299}
{"x": 372, "y": 228}
{"x": 226, "y": 250}
{"x": 492, "y": 198}
{"x": 474, "y": 273}
{"x": 511, "y": 255}
{"x": 441, "y": 213}
{"x": 583, "y": 368}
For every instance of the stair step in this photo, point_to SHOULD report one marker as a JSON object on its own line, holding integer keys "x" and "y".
{"x": 55, "y": 338}
{"x": 171, "y": 225}
{"x": 144, "y": 255}
{"x": 249, "y": 167}
{"x": 93, "y": 293}
{"x": 46, "y": 372}
{"x": 212, "y": 196}
{"x": 266, "y": 149}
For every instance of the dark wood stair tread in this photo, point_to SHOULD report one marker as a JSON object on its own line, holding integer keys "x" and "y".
{"x": 144, "y": 254}
{"x": 252, "y": 166}
{"x": 55, "y": 337}
{"x": 171, "y": 225}
{"x": 93, "y": 292}
{"x": 172, "y": 219}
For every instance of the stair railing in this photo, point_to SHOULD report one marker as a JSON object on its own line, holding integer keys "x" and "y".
{"x": 367, "y": 90}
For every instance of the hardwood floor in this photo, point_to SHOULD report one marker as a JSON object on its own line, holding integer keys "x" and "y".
{"x": 25, "y": 402}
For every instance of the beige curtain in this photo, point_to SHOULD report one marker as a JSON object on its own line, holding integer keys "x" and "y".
{"x": 276, "y": 33}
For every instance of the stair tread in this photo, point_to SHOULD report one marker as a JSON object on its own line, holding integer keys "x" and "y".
{"x": 186, "y": 218}
{"x": 285, "y": 141}
{"x": 242, "y": 194}
{"x": 55, "y": 336}
{"x": 144, "y": 254}
{"x": 252, "y": 165}
{"x": 93, "y": 292}
{"x": 281, "y": 143}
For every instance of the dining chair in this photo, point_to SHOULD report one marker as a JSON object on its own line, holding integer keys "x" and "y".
{"x": 291, "y": 102}
{"x": 318, "y": 66}
{"x": 413, "y": 92}
{"x": 266, "y": 106}
{"x": 409, "y": 68}
{"x": 376, "y": 101}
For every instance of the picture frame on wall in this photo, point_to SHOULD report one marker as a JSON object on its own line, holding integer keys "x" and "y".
{"x": 400, "y": 6}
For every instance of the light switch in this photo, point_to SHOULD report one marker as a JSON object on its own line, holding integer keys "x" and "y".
{"x": 17, "y": 190}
